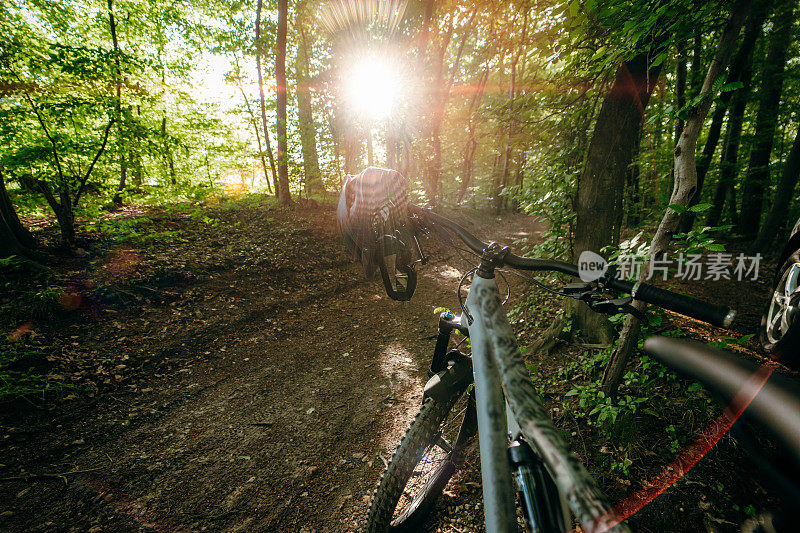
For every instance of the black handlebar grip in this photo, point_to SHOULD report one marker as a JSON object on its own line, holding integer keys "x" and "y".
{"x": 718, "y": 315}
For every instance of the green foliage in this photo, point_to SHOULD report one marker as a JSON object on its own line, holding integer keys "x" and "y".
{"x": 700, "y": 239}
{"x": 676, "y": 440}
{"x": 725, "y": 342}
{"x": 549, "y": 200}
{"x": 22, "y": 373}
{"x": 12, "y": 263}
{"x": 615, "y": 417}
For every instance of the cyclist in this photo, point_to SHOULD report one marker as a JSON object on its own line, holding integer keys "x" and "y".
{"x": 373, "y": 221}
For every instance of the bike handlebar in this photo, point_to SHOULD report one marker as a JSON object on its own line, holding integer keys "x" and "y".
{"x": 773, "y": 401}
{"x": 717, "y": 315}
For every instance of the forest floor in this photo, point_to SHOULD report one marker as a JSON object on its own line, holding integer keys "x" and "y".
{"x": 228, "y": 368}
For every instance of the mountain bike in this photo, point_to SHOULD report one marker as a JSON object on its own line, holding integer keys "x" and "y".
{"x": 780, "y": 321}
{"x": 489, "y": 393}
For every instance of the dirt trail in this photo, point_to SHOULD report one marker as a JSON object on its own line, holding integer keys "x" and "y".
{"x": 266, "y": 396}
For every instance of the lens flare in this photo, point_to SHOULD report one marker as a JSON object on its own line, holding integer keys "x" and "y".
{"x": 373, "y": 88}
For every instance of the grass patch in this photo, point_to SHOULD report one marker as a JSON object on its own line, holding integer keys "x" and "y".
{"x": 24, "y": 374}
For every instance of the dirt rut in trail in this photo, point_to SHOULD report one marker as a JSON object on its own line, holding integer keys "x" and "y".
{"x": 283, "y": 394}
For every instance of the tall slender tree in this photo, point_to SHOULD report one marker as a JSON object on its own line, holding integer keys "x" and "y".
{"x": 305, "y": 114}
{"x": 280, "y": 78}
{"x": 740, "y": 72}
{"x": 121, "y": 144}
{"x": 757, "y": 177}
{"x": 685, "y": 166}
{"x": 259, "y": 46}
{"x": 602, "y": 182}
{"x": 779, "y": 210}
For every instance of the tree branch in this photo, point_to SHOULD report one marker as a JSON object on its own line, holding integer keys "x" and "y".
{"x": 41, "y": 122}
{"x": 44, "y": 187}
{"x": 94, "y": 161}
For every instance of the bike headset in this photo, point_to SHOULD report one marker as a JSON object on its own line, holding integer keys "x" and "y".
{"x": 373, "y": 220}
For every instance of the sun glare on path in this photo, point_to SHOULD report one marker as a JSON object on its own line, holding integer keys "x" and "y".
{"x": 373, "y": 88}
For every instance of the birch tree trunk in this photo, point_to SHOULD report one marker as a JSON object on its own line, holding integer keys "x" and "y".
{"x": 685, "y": 184}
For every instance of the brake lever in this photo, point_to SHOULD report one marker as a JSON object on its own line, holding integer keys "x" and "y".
{"x": 618, "y": 305}
{"x": 590, "y": 294}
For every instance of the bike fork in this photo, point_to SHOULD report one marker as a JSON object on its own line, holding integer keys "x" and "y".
{"x": 538, "y": 495}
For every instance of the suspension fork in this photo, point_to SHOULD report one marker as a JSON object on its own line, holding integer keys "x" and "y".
{"x": 444, "y": 379}
{"x": 541, "y": 502}
{"x": 448, "y": 322}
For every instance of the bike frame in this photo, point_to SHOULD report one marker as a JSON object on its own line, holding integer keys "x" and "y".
{"x": 497, "y": 366}
{"x": 498, "y": 490}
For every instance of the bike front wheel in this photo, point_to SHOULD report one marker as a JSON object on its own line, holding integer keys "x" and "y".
{"x": 425, "y": 460}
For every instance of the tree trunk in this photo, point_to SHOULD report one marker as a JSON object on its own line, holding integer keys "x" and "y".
{"x": 134, "y": 152}
{"x": 696, "y": 72}
{"x": 168, "y": 159}
{"x": 633, "y": 208}
{"x": 437, "y": 100}
{"x": 9, "y": 245}
{"x": 658, "y": 134}
{"x": 778, "y": 213}
{"x": 757, "y": 177}
{"x": 334, "y": 140}
{"x": 685, "y": 182}
{"x": 391, "y": 146}
{"x": 14, "y": 237}
{"x": 740, "y": 71}
{"x": 509, "y": 147}
{"x": 471, "y": 144}
{"x": 121, "y": 145}
{"x": 680, "y": 89}
{"x": 263, "y": 101}
{"x": 466, "y": 167}
{"x": 601, "y": 184}
{"x": 306, "y": 124}
{"x": 728, "y": 166}
{"x": 370, "y": 154}
{"x": 280, "y": 79}
{"x": 258, "y": 139}
{"x": 66, "y": 218}
{"x": 9, "y": 218}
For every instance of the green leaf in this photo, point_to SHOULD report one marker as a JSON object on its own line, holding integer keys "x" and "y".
{"x": 732, "y": 86}
{"x": 700, "y": 208}
{"x": 571, "y": 392}
{"x": 659, "y": 59}
{"x": 715, "y": 247}
{"x": 744, "y": 338}
{"x": 678, "y": 208}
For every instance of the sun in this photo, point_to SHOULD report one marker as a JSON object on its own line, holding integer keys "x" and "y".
{"x": 373, "y": 88}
